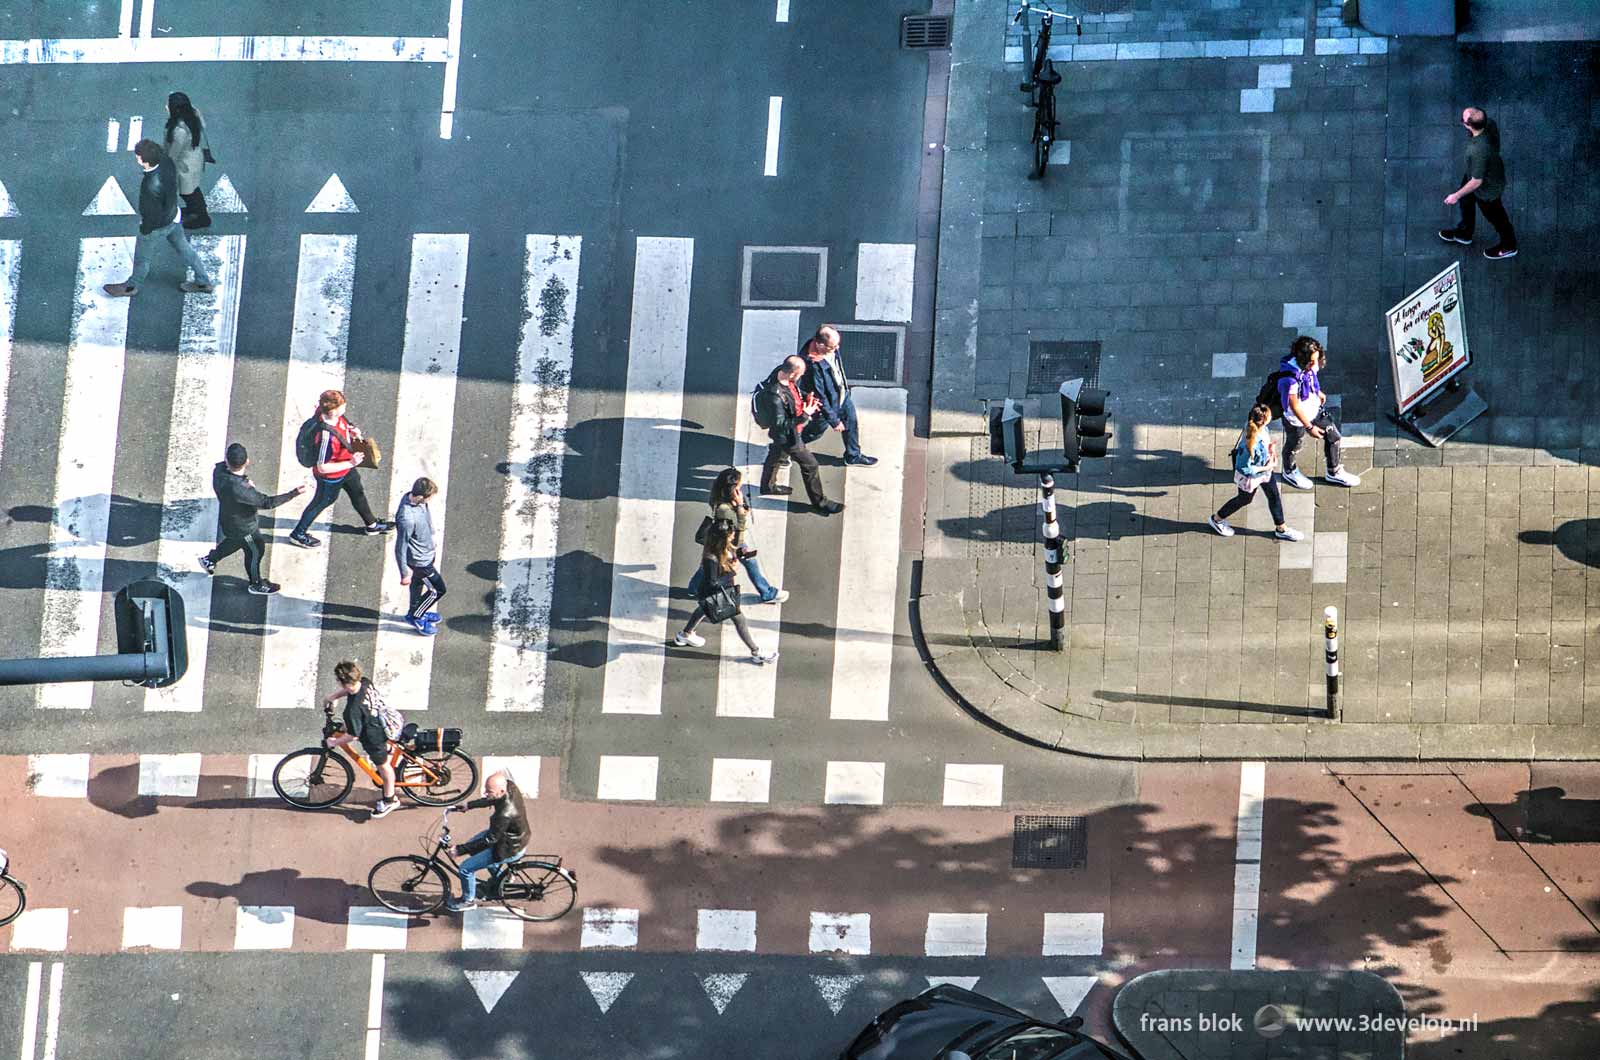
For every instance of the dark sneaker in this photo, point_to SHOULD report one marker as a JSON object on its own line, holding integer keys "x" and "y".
{"x": 776, "y": 491}
{"x": 119, "y": 290}
{"x": 460, "y": 905}
{"x": 384, "y": 807}
{"x": 264, "y": 588}
{"x": 830, "y": 507}
{"x": 1450, "y": 235}
{"x": 192, "y": 287}
{"x": 382, "y": 526}
{"x": 304, "y": 540}
{"x": 208, "y": 565}
{"x": 1495, "y": 253}
{"x": 861, "y": 461}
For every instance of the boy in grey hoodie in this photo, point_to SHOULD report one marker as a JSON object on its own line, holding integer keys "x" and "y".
{"x": 414, "y": 552}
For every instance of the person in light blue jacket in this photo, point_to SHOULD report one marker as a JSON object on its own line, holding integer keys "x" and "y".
{"x": 1253, "y": 459}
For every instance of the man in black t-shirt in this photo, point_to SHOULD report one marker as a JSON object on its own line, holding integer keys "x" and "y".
{"x": 1481, "y": 187}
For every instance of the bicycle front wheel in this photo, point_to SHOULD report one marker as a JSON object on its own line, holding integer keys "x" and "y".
{"x": 455, "y": 778}
{"x": 13, "y": 898}
{"x": 408, "y": 884}
{"x": 313, "y": 778}
{"x": 536, "y": 890}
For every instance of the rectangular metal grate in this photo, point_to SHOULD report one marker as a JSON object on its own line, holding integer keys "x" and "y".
{"x": 1044, "y": 841}
{"x": 925, "y": 31}
{"x": 785, "y": 276}
{"x": 873, "y": 353}
{"x": 1052, "y": 363}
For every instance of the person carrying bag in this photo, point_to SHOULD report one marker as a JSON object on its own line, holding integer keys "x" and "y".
{"x": 185, "y": 145}
{"x": 1253, "y": 458}
{"x": 717, "y": 595}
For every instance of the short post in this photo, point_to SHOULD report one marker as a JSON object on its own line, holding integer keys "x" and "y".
{"x": 1055, "y": 584}
{"x": 1330, "y": 651}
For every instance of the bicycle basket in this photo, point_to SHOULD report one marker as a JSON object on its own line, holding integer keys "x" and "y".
{"x": 428, "y": 741}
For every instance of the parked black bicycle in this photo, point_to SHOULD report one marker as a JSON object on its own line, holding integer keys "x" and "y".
{"x": 1042, "y": 80}
{"x": 13, "y": 896}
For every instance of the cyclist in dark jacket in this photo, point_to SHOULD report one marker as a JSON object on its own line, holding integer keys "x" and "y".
{"x": 501, "y": 843}
{"x": 238, "y": 529}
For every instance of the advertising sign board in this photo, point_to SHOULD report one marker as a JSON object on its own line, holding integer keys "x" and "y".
{"x": 1427, "y": 339}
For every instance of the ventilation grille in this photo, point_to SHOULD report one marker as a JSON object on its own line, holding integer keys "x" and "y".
{"x": 1052, "y": 363}
{"x": 1042, "y": 841}
{"x": 925, "y": 31}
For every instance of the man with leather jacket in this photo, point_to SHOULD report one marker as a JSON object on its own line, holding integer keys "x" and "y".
{"x": 501, "y": 843}
{"x": 782, "y": 405}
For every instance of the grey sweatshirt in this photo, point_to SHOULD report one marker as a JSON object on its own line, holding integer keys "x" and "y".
{"x": 413, "y": 535}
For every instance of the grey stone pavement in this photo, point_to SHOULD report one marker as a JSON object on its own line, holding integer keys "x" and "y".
{"x": 1203, "y": 213}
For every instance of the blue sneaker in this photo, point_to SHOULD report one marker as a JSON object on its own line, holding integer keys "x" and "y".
{"x": 422, "y": 627}
{"x": 431, "y": 619}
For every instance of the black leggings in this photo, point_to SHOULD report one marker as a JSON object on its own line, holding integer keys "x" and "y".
{"x": 738, "y": 621}
{"x": 1242, "y": 499}
{"x": 328, "y": 491}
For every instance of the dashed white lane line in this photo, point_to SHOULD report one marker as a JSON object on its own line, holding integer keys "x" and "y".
{"x": 169, "y": 775}
{"x": 523, "y": 769}
{"x": 59, "y": 776}
{"x": 452, "y": 71}
{"x": 113, "y": 135}
{"x": 726, "y": 930}
{"x": 609, "y": 928}
{"x": 957, "y": 935}
{"x": 740, "y": 779}
{"x": 375, "y": 1008}
{"x": 1247, "y": 863}
{"x": 135, "y": 130}
{"x": 854, "y": 784}
{"x": 628, "y": 777}
{"x": 783, "y": 11}
{"x": 10, "y": 273}
{"x": 490, "y": 928}
{"x": 52, "y": 1013}
{"x": 30, "y": 1011}
{"x": 40, "y": 929}
{"x": 841, "y": 933}
{"x": 885, "y": 275}
{"x": 774, "y": 123}
{"x": 967, "y": 784}
{"x": 372, "y": 927}
{"x": 1074, "y": 934}
{"x": 263, "y": 927}
{"x": 155, "y": 927}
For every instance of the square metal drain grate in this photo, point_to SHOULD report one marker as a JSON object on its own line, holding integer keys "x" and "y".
{"x": 785, "y": 276}
{"x": 1052, "y": 363}
{"x": 873, "y": 352}
{"x": 1043, "y": 841}
{"x": 925, "y": 31}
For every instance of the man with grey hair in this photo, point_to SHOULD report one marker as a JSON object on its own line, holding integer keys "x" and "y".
{"x": 502, "y": 843}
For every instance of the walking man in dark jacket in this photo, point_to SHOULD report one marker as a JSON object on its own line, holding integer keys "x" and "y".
{"x": 158, "y": 223}
{"x": 503, "y": 841}
{"x": 416, "y": 551}
{"x": 781, "y": 405}
{"x": 1482, "y": 185}
{"x": 827, "y": 382}
{"x": 238, "y": 529}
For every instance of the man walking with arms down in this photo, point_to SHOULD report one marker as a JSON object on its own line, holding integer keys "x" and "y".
{"x": 784, "y": 413}
{"x": 158, "y": 223}
{"x": 415, "y": 550}
{"x": 1481, "y": 187}
{"x": 238, "y": 528}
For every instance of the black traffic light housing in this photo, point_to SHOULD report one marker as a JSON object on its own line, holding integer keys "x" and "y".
{"x": 1005, "y": 433}
{"x": 1084, "y": 421}
{"x": 150, "y": 621}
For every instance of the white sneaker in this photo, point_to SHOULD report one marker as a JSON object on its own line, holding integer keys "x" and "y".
{"x": 761, "y": 658}
{"x": 1297, "y": 479}
{"x": 782, "y": 595}
{"x": 1219, "y": 525}
{"x": 1288, "y": 533}
{"x": 1340, "y": 477}
{"x": 689, "y": 640}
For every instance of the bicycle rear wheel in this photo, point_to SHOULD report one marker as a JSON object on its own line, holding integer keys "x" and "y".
{"x": 13, "y": 898}
{"x": 408, "y": 884}
{"x": 457, "y": 778}
{"x": 537, "y": 890}
{"x": 313, "y": 778}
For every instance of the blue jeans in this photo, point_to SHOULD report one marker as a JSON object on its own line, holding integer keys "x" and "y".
{"x": 145, "y": 247}
{"x": 852, "y": 428}
{"x": 752, "y": 567}
{"x": 483, "y": 859}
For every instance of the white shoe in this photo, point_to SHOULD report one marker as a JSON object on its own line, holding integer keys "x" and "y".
{"x": 1288, "y": 533}
{"x": 689, "y": 640}
{"x": 1297, "y": 479}
{"x": 1340, "y": 477}
{"x": 761, "y": 658}
{"x": 782, "y": 595}
{"x": 1219, "y": 525}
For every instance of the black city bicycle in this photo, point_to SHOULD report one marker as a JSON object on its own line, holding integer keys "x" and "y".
{"x": 13, "y": 896}
{"x": 1042, "y": 80}
{"x": 534, "y": 887}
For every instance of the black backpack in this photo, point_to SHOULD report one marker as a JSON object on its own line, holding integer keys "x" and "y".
{"x": 761, "y": 407}
{"x": 306, "y": 444}
{"x": 1269, "y": 396}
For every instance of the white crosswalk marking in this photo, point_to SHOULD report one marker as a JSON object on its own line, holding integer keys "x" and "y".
{"x": 75, "y": 570}
{"x": 198, "y": 436}
{"x": 425, "y": 414}
{"x": 10, "y": 273}
{"x": 531, "y": 514}
{"x": 658, "y": 341}
{"x": 324, "y": 287}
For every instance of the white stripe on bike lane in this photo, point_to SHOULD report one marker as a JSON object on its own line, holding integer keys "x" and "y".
{"x": 10, "y": 274}
{"x": 425, "y": 412}
{"x": 198, "y": 436}
{"x": 375, "y": 1008}
{"x": 318, "y": 343}
{"x": 530, "y": 514}
{"x": 1247, "y": 863}
{"x": 85, "y": 461}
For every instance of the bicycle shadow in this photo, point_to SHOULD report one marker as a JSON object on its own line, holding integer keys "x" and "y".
{"x": 321, "y": 898}
{"x": 115, "y": 789}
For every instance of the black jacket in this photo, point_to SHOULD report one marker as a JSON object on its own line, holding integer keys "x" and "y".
{"x": 779, "y": 405}
{"x": 158, "y": 197}
{"x": 238, "y": 500}
{"x": 508, "y": 825}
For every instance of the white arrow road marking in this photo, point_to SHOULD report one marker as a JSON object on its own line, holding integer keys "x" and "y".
{"x": 109, "y": 201}
{"x": 836, "y": 988}
{"x": 333, "y": 198}
{"x": 8, "y": 208}
{"x": 965, "y": 982}
{"x": 224, "y": 197}
{"x": 721, "y": 987}
{"x": 490, "y": 985}
{"x": 604, "y": 987}
{"x": 1069, "y": 990}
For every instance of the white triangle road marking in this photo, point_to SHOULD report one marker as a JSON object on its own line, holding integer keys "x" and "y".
{"x": 8, "y": 207}
{"x": 109, "y": 201}
{"x": 835, "y": 988}
{"x": 333, "y": 198}
{"x": 721, "y": 986}
{"x": 1069, "y": 990}
{"x": 224, "y": 197}
{"x": 490, "y": 985}
{"x": 965, "y": 982}
{"x": 605, "y": 986}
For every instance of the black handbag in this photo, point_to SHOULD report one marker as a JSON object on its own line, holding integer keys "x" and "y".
{"x": 721, "y": 602}
{"x": 705, "y": 528}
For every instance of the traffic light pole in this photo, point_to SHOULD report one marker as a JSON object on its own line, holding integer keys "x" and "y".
{"x": 1054, "y": 582}
{"x": 141, "y": 667}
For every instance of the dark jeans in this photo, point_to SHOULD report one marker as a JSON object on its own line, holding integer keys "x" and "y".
{"x": 254, "y": 547}
{"x": 1294, "y": 435}
{"x": 1242, "y": 500}
{"x": 852, "y": 429}
{"x": 145, "y": 247}
{"x": 328, "y": 491}
{"x": 427, "y": 589}
{"x": 779, "y": 455}
{"x": 1494, "y": 210}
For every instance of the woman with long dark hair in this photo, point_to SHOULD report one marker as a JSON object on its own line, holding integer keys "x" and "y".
{"x": 730, "y": 506}
{"x": 717, "y": 564}
{"x": 184, "y": 146}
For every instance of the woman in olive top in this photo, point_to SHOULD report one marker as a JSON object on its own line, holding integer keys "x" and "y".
{"x": 730, "y": 506}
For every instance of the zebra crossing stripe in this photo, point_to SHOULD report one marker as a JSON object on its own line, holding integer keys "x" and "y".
{"x": 425, "y": 414}
{"x": 531, "y": 512}
{"x": 744, "y": 690}
{"x": 10, "y": 273}
{"x": 324, "y": 286}
{"x": 197, "y": 439}
{"x": 658, "y": 346}
{"x": 75, "y": 567}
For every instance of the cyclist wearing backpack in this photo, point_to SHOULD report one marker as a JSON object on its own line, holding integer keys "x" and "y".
{"x": 368, "y": 719}
{"x": 778, "y": 406}
{"x": 1304, "y": 411}
{"x": 324, "y": 445}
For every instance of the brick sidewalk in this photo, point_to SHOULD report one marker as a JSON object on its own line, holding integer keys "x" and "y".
{"x": 1209, "y": 210}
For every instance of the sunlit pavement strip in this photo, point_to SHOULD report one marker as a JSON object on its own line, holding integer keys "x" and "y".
{"x": 169, "y": 775}
{"x": 263, "y": 927}
{"x": 973, "y": 785}
{"x": 854, "y": 784}
{"x": 740, "y": 779}
{"x": 1074, "y": 934}
{"x": 1247, "y": 863}
{"x": 609, "y": 928}
{"x": 156, "y": 928}
{"x": 957, "y": 935}
{"x": 841, "y": 933}
{"x": 59, "y": 776}
{"x": 727, "y": 930}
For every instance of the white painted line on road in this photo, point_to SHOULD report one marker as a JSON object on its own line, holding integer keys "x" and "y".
{"x": 402, "y": 659}
{"x": 628, "y": 777}
{"x": 135, "y": 130}
{"x": 783, "y": 16}
{"x": 967, "y": 784}
{"x": 490, "y": 928}
{"x": 957, "y": 935}
{"x": 113, "y": 135}
{"x": 885, "y": 274}
{"x": 10, "y": 278}
{"x": 147, "y": 18}
{"x": 965, "y": 982}
{"x": 175, "y": 775}
{"x": 1074, "y": 934}
{"x": 854, "y": 784}
{"x": 863, "y": 645}
{"x": 263, "y": 927}
{"x": 372, "y": 927}
{"x": 30, "y": 1011}
{"x": 524, "y": 770}
{"x": 76, "y": 564}
{"x": 841, "y": 933}
{"x": 720, "y": 987}
{"x": 609, "y": 928}
{"x": 1069, "y": 990}
{"x": 155, "y": 927}
{"x": 726, "y": 930}
{"x": 258, "y": 774}
{"x": 318, "y": 340}
{"x": 375, "y": 1008}
{"x": 766, "y": 337}
{"x": 490, "y": 984}
{"x": 125, "y": 20}
{"x": 257, "y": 49}
{"x": 741, "y": 779}
{"x": 605, "y": 987}
{"x": 197, "y": 439}
{"x": 452, "y": 70}
{"x": 1247, "y": 863}
{"x": 774, "y": 121}
{"x": 52, "y": 1012}
{"x": 59, "y": 776}
{"x": 834, "y": 989}
{"x": 333, "y": 198}
{"x": 40, "y": 929}
{"x": 530, "y": 514}
{"x": 8, "y": 207}
{"x": 658, "y": 346}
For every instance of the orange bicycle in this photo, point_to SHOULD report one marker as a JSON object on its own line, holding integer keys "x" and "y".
{"x": 428, "y": 769}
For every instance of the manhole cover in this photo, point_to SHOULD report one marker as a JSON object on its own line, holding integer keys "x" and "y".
{"x": 1052, "y": 363}
{"x": 874, "y": 352}
{"x": 925, "y": 31}
{"x": 1042, "y": 841}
